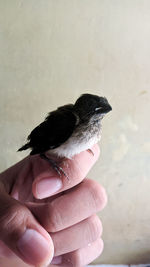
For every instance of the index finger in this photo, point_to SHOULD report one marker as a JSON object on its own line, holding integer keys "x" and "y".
{"x": 48, "y": 182}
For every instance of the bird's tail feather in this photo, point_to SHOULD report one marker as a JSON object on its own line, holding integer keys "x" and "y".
{"x": 26, "y": 146}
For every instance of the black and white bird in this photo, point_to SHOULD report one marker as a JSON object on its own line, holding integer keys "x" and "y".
{"x": 70, "y": 129}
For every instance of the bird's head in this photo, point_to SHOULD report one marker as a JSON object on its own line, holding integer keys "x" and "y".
{"x": 90, "y": 106}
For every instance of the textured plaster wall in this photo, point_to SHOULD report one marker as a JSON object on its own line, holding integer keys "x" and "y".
{"x": 50, "y": 53}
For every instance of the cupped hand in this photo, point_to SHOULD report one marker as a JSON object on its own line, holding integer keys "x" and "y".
{"x": 45, "y": 218}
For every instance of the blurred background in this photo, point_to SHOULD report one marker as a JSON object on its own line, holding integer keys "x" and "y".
{"x": 53, "y": 51}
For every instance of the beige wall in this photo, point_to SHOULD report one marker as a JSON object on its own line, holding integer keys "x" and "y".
{"x": 50, "y": 53}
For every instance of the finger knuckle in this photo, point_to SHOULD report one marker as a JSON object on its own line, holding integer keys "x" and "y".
{"x": 94, "y": 228}
{"x": 55, "y": 220}
{"x": 85, "y": 255}
{"x": 11, "y": 219}
{"x": 98, "y": 194}
{"x": 77, "y": 260}
{"x": 100, "y": 247}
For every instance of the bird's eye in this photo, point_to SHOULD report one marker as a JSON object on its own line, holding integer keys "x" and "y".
{"x": 96, "y": 109}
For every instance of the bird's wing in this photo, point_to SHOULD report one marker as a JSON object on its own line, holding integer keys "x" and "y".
{"x": 54, "y": 131}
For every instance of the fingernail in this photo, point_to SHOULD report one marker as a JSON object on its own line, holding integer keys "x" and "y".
{"x": 34, "y": 248}
{"x": 57, "y": 260}
{"x": 47, "y": 187}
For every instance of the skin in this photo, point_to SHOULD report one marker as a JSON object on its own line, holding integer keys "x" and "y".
{"x": 66, "y": 220}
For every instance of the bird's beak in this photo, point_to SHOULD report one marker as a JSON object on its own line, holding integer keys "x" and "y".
{"x": 107, "y": 108}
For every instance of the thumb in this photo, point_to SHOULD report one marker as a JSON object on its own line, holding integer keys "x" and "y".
{"x": 20, "y": 231}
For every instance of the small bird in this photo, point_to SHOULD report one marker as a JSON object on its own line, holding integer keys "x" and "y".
{"x": 69, "y": 130}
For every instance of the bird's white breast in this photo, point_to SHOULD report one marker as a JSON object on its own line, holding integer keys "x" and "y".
{"x": 78, "y": 141}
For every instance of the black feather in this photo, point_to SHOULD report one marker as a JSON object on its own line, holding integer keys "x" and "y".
{"x": 55, "y": 130}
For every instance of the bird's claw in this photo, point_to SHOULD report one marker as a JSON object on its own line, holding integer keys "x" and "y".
{"x": 90, "y": 151}
{"x": 57, "y": 168}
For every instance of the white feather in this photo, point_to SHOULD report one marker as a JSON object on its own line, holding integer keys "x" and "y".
{"x": 78, "y": 142}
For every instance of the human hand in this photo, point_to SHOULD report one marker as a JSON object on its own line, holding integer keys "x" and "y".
{"x": 67, "y": 214}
